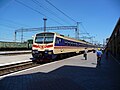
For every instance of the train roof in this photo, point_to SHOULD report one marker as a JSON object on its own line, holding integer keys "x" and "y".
{"x": 83, "y": 41}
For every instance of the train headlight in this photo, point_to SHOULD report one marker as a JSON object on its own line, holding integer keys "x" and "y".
{"x": 49, "y": 52}
{"x": 46, "y": 52}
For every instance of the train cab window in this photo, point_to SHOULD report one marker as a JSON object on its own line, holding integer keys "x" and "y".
{"x": 39, "y": 40}
{"x": 48, "y": 40}
{"x": 44, "y": 38}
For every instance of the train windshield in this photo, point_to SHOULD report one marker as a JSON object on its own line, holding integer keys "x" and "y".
{"x": 44, "y": 38}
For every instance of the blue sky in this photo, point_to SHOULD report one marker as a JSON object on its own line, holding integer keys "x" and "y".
{"x": 98, "y": 17}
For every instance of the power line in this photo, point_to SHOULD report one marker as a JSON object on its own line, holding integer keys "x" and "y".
{"x": 13, "y": 22}
{"x": 8, "y": 26}
{"x": 45, "y": 8}
{"x": 60, "y": 11}
{"x": 89, "y": 36}
{"x": 30, "y": 7}
{"x": 36, "y": 11}
{"x": 42, "y": 28}
{"x": 84, "y": 29}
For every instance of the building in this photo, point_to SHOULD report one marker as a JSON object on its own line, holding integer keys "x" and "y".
{"x": 114, "y": 41}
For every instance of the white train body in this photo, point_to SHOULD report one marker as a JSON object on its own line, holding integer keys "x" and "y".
{"x": 48, "y": 44}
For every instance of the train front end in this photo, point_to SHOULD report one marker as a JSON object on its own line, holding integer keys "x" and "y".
{"x": 43, "y": 45}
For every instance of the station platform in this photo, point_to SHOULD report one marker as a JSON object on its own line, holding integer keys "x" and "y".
{"x": 73, "y": 73}
{"x": 14, "y": 59}
{"x": 14, "y": 52}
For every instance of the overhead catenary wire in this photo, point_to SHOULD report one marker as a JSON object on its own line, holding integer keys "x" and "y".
{"x": 47, "y": 9}
{"x": 84, "y": 29}
{"x": 37, "y": 11}
{"x": 14, "y": 22}
{"x": 8, "y": 26}
{"x": 61, "y": 11}
{"x": 68, "y": 16}
{"x": 89, "y": 36}
{"x": 28, "y": 6}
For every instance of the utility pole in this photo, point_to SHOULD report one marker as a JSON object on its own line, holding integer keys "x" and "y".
{"x": 44, "y": 24}
{"x": 15, "y": 35}
{"x": 22, "y": 36}
{"x": 77, "y": 30}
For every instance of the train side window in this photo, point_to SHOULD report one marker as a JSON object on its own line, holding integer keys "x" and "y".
{"x": 76, "y": 44}
{"x": 66, "y": 43}
{"x": 73, "y": 44}
{"x": 70, "y": 43}
{"x": 58, "y": 41}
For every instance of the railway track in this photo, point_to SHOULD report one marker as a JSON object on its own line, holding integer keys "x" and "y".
{"x": 7, "y": 69}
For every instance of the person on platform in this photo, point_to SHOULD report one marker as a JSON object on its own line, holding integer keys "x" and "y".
{"x": 85, "y": 53}
{"x": 99, "y": 55}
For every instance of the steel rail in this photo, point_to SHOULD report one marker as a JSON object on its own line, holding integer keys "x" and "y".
{"x": 7, "y": 69}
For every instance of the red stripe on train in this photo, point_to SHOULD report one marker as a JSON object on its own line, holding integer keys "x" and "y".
{"x": 36, "y": 46}
{"x": 42, "y": 46}
{"x": 48, "y": 46}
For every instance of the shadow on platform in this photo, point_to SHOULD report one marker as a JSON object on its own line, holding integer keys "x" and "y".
{"x": 104, "y": 77}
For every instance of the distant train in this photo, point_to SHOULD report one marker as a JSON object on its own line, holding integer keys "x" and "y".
{"x": 6, "y": 46}
{"x": 49, "y": 45}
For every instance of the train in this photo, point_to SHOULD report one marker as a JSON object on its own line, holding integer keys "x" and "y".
{"x": 50, "y": 45}
{"x": 8, "y": 46}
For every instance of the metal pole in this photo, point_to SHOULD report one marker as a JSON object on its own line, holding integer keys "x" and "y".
{"x": 22, "y": 36}
{"x": 76, "y": 33}
{"x": 44, "y": 24}
{"x": 78, "y": 30}
{"x": 15, "y": 35}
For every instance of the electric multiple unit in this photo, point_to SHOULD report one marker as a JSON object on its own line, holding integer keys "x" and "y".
{"x": 49, "y": 45}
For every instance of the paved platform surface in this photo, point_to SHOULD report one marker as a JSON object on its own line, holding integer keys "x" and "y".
{"x": 13, "y": 59}
{"x": 14, "y": 52}
{"x": 73, "y": 73}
